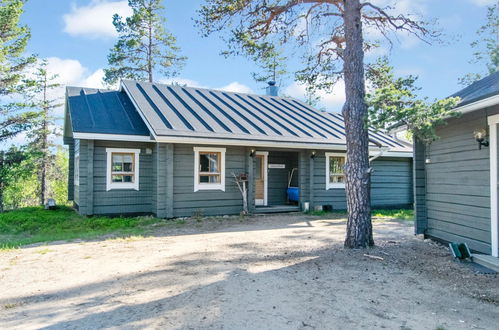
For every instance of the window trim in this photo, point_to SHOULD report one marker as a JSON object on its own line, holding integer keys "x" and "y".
{"x": 76, "y": 169}
{"x": 209, "y": 186}
{"x": 110, "y": 185}
{"x": 335, "y": 185}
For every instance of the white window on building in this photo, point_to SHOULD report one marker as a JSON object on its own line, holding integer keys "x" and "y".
{"x": 122, "y": 168}
{"x": 335, "y": 172}
{"x": 209, "y": 168}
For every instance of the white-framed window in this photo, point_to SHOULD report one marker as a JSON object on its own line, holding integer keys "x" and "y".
{"x": 122, "y": 168}
{"x": 335, "y": 170}
{"x": 209, "y": 168}
{"x": 77, "y": 169}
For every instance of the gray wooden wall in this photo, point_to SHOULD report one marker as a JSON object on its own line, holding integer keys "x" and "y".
{"x": 167, "y": 181}
{"x": 91, "y": 195}
{"x": 457, "y": 184}
{"x": 391, "y": 184}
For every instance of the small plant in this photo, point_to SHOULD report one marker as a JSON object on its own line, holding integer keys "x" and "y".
{"x": 198, "y": 214}
{"x": 10, "y": 306}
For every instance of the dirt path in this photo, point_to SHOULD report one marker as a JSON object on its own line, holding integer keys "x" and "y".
{"x": 270, "y": 272}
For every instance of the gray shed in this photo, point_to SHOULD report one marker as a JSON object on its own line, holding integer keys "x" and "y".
{"x": 456, "y": 176}
{"x": 171, "y": 151}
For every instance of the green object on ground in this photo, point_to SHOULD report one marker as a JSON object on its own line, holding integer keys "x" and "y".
{"x": 460, "y": 250}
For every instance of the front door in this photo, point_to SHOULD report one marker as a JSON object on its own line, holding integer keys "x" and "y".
{"x": 261, "y": 178}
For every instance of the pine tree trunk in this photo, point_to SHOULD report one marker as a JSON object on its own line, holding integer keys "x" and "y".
{"x": 149, "y": 46}
{"x": 357, "y": 171}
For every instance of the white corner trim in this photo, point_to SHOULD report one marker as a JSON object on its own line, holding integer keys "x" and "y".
{"x": 494, "y": 220}
{"x": 488, "y": 102}
{"x": 122, "y": 185}
{"x": 330, "y": 185}
{"x": 112, "y": 137}
{"x": 209, "y": 186}
{"x": 265, "y": 155}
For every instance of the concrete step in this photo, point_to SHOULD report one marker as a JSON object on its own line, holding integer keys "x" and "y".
{"x": 277, "y": 209}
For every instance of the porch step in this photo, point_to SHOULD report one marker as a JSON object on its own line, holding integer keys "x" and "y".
{"x": 277, "y": 209}
{"x": 487, "y": 261}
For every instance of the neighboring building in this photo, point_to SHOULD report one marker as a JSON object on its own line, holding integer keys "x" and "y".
{"x": 171, "y": 151}
{"x": 456, "y": 179}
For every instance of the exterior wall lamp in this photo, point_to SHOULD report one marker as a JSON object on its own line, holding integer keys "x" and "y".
{"x": 480, "y": 135}
{"x": 252, "y": 152}
{"x": 312, "y": 155}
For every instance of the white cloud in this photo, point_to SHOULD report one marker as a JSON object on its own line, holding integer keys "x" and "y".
{"x": 95, "y": 20}
{"x": 483, "y": 3}
{"x": 72, "y": 73}
{"x": 236, "y": 87}
{"x": 331, "y": 101}
{"x": 183, "y": 82}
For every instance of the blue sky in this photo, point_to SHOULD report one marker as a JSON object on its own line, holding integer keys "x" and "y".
{"x": 86, "y": 36}
{"x": 77, "y": 35}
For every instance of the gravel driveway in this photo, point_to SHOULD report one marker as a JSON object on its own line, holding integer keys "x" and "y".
{"x": 263, "y": 272}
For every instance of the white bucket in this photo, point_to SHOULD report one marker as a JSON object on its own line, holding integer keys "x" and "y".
{"x": 306, "y": 206}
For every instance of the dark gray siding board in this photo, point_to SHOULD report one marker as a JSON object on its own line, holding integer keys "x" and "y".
{"x": 76, "y": 189}
{"x": 90, "y": 178}
{"x": 186, "y": 202}
{"x": 391, "y": 184}
{"x": 457, "y": 190}
{"x": 122, "y": 201}
{"x": 159, "y": 181}
{"x": 250, "y": 170}
{"x": 83, "y": 185}
{"x": 71, "y": 168}
{"x": 421, "y": 221}
{"x": 304, "y": 177}
{"x": 169, "y": 180}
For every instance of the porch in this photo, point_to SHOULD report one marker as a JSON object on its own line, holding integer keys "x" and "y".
{"x": 276, "y": 183}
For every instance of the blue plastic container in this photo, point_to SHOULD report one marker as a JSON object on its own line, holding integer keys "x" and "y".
{"x": 294, "y": 194}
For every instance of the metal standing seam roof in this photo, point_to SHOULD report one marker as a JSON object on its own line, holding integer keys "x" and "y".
{"x": 103, "y": 111}
{"x": 479, "y": 90}
{"x": 177, "y": 111}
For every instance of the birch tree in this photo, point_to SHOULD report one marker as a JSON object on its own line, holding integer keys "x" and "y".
{"x": 328, "y": 34}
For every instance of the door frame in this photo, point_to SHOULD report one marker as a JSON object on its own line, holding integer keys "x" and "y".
{"x": 264, "y": 201}
{"x": 493, "y": 121}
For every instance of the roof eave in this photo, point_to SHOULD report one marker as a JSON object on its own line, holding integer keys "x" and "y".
{"x": 479, "y": 104}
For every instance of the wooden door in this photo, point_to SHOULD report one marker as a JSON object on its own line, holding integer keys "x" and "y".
{"x": 260, "y": 178}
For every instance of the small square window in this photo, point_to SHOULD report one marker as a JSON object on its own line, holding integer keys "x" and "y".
{"x": 209, "y": 168}
{"x": 335, "y": 170}
{"x": 122, "y": 168}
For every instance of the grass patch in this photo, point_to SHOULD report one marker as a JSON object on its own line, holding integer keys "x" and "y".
{"x": 35, "y": 224}
{"x": 403, "y": 214}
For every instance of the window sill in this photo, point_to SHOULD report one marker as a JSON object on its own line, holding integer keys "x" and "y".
{"x": 201, "y": 186}
{"x": 336, "y": 186}
{"x": 122, "y": 187}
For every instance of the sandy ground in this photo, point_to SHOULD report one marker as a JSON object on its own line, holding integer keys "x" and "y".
{"x": 272, "y": 272}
